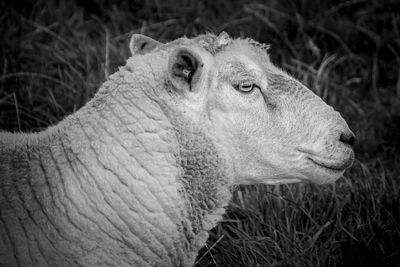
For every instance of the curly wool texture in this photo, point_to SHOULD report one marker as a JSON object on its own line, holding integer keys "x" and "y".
{"x": 95, "y": 177}
{"x": 205, "y": 186}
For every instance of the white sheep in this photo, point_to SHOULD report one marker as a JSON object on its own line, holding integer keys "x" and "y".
{"x": 138, "y": 175}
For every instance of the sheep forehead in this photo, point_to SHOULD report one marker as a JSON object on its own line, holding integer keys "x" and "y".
{"x": 215, "y": 44}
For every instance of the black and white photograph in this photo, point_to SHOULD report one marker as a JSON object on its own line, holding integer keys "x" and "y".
{"x": 205, "y": 133}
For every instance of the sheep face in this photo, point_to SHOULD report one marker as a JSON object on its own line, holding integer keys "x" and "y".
{"x": 278, "y": 131}
{"x": 266, "y": 126}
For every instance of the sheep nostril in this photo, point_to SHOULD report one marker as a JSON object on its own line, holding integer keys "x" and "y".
{"x": 347, "y": 138}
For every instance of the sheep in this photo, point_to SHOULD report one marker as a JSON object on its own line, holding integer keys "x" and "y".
{"x": 142, "y": 172}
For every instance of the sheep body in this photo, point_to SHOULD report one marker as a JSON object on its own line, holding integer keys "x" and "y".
{"x": 95, "y": 194}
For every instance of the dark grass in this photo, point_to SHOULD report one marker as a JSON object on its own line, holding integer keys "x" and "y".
{"x": 55, "y": 54}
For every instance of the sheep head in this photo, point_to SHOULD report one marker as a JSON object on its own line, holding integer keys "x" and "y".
{"x": 266, "y": 126}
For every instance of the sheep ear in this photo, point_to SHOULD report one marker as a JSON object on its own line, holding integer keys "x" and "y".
{"x": 185, "y": 68}
{"x": 141, "y": 44}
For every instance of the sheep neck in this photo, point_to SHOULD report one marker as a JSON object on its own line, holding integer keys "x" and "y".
{"x": 205, "y": 186}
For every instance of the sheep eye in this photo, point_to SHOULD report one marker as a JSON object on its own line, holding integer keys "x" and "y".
{"x": 246, "y": 87}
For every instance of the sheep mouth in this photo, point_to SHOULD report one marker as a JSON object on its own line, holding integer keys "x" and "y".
{"x": 338, "y": 164}
{"x": 331, "y": 165}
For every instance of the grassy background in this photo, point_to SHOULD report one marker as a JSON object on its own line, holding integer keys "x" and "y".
{"x": 55, "y": 54}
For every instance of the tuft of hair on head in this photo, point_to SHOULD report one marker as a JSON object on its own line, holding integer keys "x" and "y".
{"x": 256, "y": 44}
{"x": 213, "y": 43}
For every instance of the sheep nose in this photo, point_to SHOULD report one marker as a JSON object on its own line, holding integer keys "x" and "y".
{"x": 347, "y": 138}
